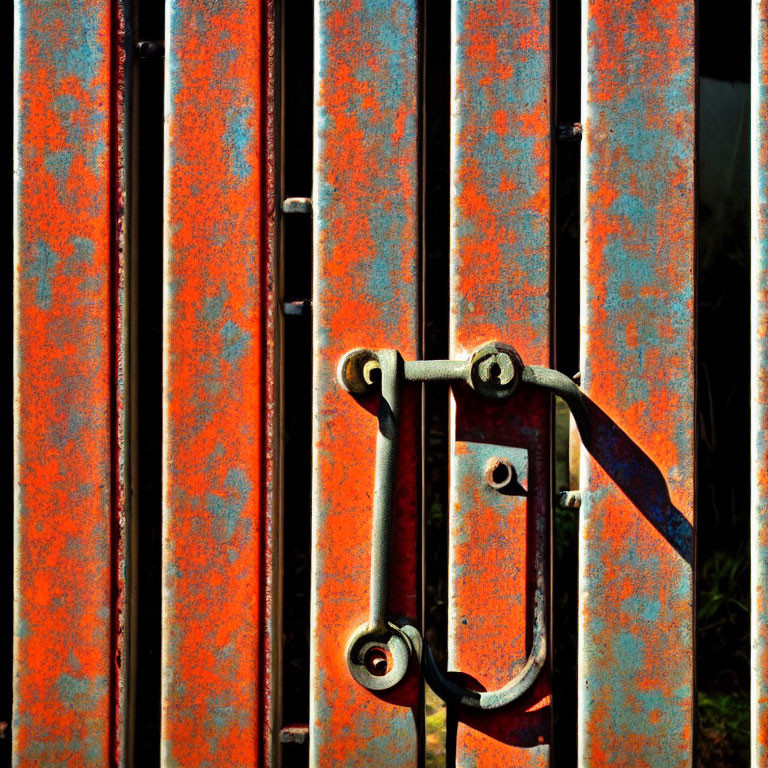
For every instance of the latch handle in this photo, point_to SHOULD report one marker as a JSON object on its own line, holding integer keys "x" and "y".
{"x": 380, "y": 651}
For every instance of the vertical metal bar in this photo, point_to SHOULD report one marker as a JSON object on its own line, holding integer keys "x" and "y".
{"x": 366, "y": 289}
{"x": 218, "y": 408}
{"x": 123, "y": 529}
{"x": 759, "y": 416}
{"x": 385, "y": 487}
{"x": 636, "y": 537}
{"x": 500, "y": 290}
{"x": 69, "y": 384}
{"x": 272, "y": 419}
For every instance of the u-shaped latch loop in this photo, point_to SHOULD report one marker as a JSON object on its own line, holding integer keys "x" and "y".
{"x": 380, "y": 651}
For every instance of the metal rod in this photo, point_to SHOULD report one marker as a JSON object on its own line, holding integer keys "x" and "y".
{"x": 565, "y": 388}
{"x": 437, "y": 370}
{"x": 391, "y": 366}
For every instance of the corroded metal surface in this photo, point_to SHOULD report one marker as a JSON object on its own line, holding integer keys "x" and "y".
{"x": 500, "y": 286}
{"x": 272, "y": 432}
{"x": 759, "y": 469}
{"x": 123, "y": 529}
{"x": 217, "y": 383}
{"x": 365, "y": 294}
{"x": 636, "y": 589}
{"x": 70, "y": 501}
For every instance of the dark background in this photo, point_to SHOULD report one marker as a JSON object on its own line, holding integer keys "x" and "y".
{"x": 723, "y": 368}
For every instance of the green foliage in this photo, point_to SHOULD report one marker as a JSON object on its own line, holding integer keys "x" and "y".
{"x": 434, "y": 730}
{"x": 723, "y": 729}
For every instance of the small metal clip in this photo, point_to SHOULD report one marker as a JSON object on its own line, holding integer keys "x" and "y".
{"x": 570, "y": 133}
{"x": 150, "y": 49}
{"x": 294, "y": 734}
{"x": 297, "y": 205}
{"x": 297, "y": 307}
{"x": 569, "y": 499}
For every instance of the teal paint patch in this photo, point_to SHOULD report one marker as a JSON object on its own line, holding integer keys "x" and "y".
{"x": 22, "y": 629}
{"x": 65, "y": 104}
{"x": 58, "y": 163}
{"x": 84, "y": 138}
{"x": 238, "y": 482}
{"x": 42, "y": 268}
{"x": 236, "y": 341}
{"x": 81, "y": 693}
{"x": 72, "y": 689}
{"x": 239, "y": 139}
{"x": 227, "y": 509}
{"x": 85, "y": 53}
{"x": 213, "y": 306}
{"x": 628, "y": 650}
{"x": 50, "y": 749}
{"x": 84, "y": 249}
{"x": 384, "y": 98}
{"x": 77, "y": 422}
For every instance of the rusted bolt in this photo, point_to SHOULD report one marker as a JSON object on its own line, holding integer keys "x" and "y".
{"x": 376, "y": 661}
{"x": 500, "y": 474}
{"x": 496, "y": 369}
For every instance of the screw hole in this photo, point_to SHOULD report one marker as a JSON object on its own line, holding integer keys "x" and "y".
{"x": 499, "y": 473}
{"x": 495, "y": 370}
{"x": 377, "y": 661}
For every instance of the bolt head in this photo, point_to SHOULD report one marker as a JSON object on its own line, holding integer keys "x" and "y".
{"x": 495, "y": 370}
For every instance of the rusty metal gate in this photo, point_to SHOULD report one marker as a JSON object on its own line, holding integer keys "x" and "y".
{"x": 229, "y": 363}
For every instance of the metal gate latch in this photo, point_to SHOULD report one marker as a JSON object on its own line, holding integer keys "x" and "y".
{"x": 380, "y": 651}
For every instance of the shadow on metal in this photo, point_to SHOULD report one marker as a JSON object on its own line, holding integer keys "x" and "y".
{"x": 638, "y": 477}
{"x": 515, "y": 714}
{"x": 635, "y": 473}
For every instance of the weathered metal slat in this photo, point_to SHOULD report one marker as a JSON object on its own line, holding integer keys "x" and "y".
{"x": 637, "y": 366}
{"x": 366, "y": 293}
{"x": 71, "y": 442}
{"x": 500, "y": 290}
{"x": 759, "y": 386}
{"x": 123, "y": 520}
{"x": 217, "y": 686}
